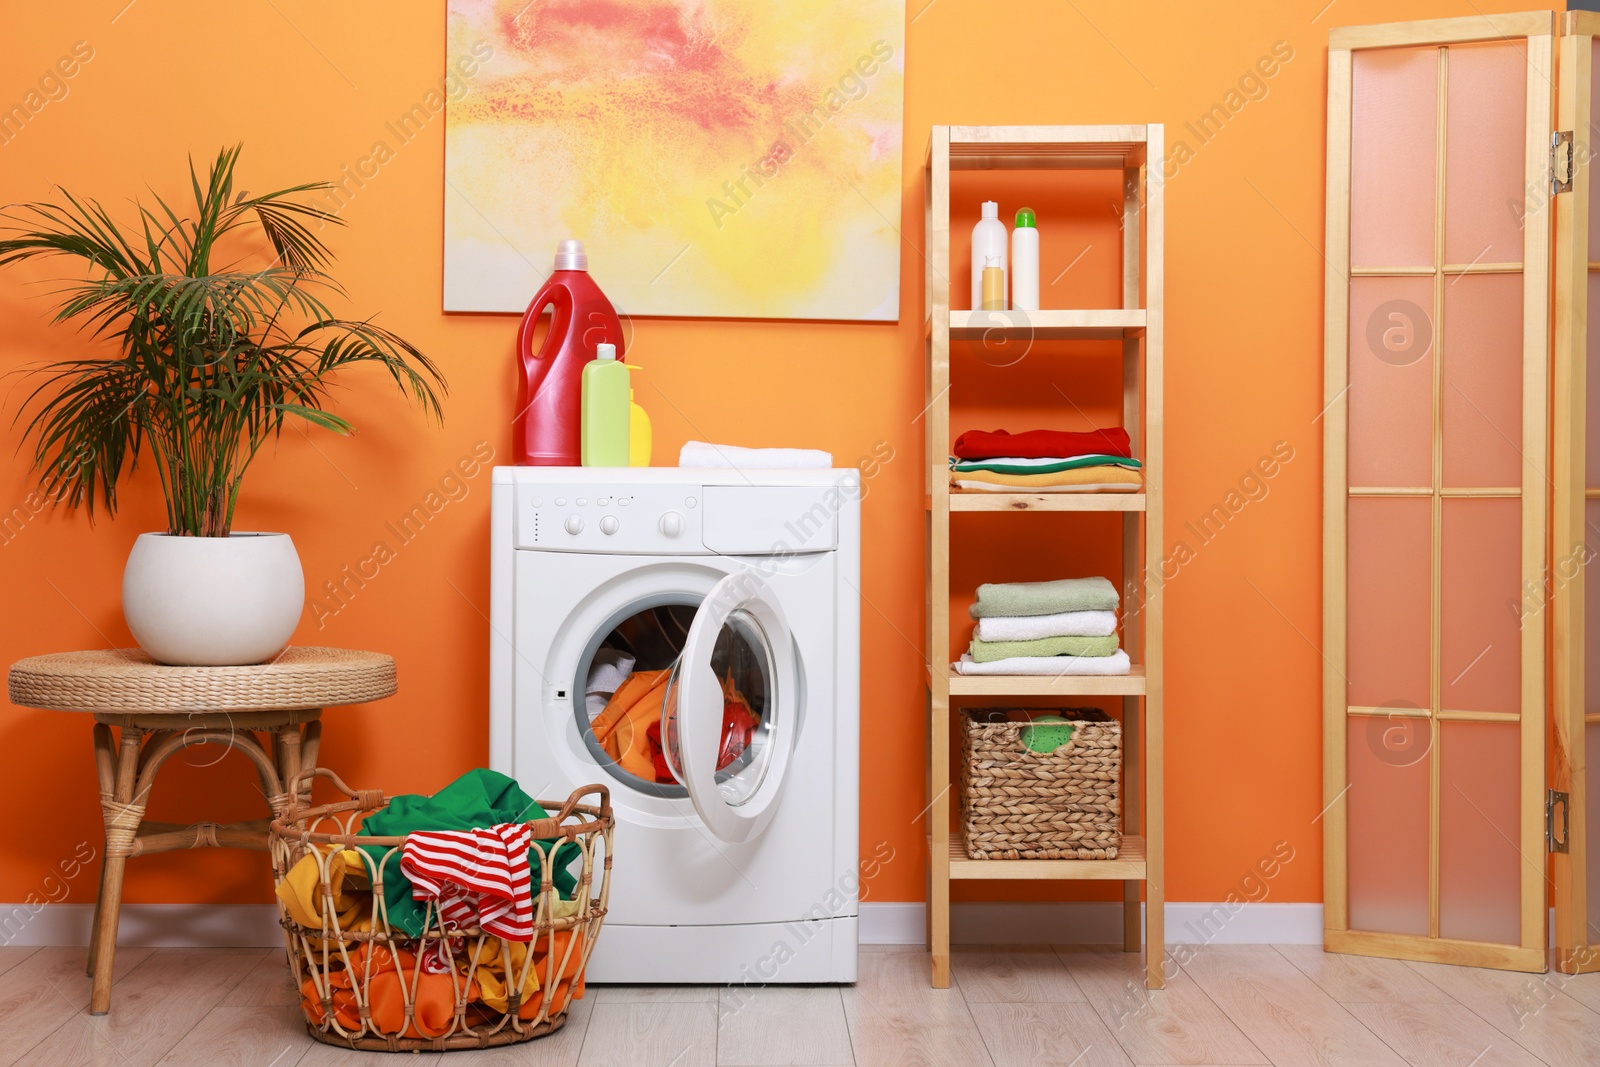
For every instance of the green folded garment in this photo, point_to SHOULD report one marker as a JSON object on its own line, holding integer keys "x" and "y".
{"x": 1044, "y": 598}
{"x": 477, "y": 800}
{"x": 988, "y": 651}
{"x": 1040, "y": 466}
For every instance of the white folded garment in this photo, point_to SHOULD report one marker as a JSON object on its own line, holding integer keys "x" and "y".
{"x": 1033, "y": 627}
{"x": 703, "y": 454}
{"x": 609, "y": 670}
{"x": 1116, "y": 663}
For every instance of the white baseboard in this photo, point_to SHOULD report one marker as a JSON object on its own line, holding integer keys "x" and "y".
{"x": 150, "y": 925}
{"x": 1097, "y": 923}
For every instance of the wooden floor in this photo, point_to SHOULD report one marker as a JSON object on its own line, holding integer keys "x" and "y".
{"x": 1017, "y": 1007}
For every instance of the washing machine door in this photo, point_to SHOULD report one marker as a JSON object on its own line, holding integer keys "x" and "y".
{"x": 732, "y": 708}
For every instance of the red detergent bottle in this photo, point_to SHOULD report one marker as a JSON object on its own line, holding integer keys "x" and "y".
{"x": 550, "y": 387}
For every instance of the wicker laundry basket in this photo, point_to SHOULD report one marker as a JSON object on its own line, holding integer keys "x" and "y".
{"x": 374, "y": 988}
{"x": 1021, "y": 804}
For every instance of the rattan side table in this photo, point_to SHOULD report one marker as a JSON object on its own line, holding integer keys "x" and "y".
{"x": 162, "y": 710}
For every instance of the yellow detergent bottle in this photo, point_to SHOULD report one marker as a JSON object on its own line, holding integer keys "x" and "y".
{"x": 604, "y": 425}
{"x": 638, "y": 429}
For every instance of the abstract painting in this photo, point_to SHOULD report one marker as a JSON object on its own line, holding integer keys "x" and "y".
{"x": 718, "y": 158}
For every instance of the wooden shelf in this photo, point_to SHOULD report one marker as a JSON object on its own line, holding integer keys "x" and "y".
{"x": 1054, "y": 324}
{"x": 983, "y": 500}
{"x": 1048, "y": 685}
{"x": 1047, "y": 147}
{"x": 1129, "y": 865}
{"x": 1135, "y": 330}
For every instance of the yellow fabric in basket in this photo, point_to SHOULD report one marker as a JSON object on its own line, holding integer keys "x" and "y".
{"x": 300, "y": 890}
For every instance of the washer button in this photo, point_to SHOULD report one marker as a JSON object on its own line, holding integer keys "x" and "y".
{"x": 671, "y": 524}
{"x": 602, "y": 501}
{"x": 537, "y": 501}
{"x": 574, "y": 524}
{"x": 561, "y": 501}
{"x": 609, "y": 525}
{"x": 624, "y": 501}
{"x": 582, "y": 502}
{"x": 691, "y": 502}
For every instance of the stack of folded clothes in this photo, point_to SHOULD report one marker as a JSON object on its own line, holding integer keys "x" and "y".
{"x": 1062, "y": 627}
{"x": 1045, "y": 461}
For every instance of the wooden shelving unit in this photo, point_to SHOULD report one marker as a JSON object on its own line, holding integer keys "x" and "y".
{"x": 1135, "y": 152}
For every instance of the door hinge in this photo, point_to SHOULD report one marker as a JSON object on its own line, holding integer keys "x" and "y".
{"x": 1560, "y": 162}
{"x": 1551, "y": 801}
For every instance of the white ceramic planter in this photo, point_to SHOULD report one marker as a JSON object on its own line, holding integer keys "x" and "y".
{"x": 213, "y": 601}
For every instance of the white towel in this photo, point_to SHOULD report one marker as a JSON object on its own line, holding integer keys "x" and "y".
{"x": 1033, "y": 627}
{"x": 1116, "y": 663}
{"x": 703, "y": 454}
{"x": 609, "y": 670}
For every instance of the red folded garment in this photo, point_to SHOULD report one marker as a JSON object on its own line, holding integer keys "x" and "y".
{"x": 1042, "y": 444}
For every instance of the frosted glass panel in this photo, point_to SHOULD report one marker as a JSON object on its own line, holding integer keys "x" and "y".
{"x": 1391, "y": 381}
{"x": 1592, "y": 378}
{"x": 1591, "y": 608}
{"x": 1485, "y": 137}
{"x": 1387, "y": 760}
{"x": 1479, "y": 861}
{"x": 1579, "y": 158}
{"x": 1393, "y": 121}
{"x": 1389, "y": 576}
{"x": 1592, "y": 807}
{"x": 1481, "y": 399}
{"x": 1480, "y": 665}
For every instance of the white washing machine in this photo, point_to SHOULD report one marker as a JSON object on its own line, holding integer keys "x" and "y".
{"x": 737, "y": 861}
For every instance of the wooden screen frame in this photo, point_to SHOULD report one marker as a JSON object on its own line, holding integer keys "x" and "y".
{"x": 1575, "y": 954}
{"x": 1538, "y": 29}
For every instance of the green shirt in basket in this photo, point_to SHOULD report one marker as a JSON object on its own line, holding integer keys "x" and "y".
{"x": 477, "y": 799}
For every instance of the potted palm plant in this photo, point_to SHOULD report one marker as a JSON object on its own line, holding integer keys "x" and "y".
{"x": 220, "y": 339}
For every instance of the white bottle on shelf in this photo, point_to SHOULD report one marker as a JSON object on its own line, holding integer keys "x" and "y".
{"x": 1025, "y": 262}
{"x": 988, "y": 241}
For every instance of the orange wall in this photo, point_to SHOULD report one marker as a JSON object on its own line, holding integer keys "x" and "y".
{"x": 309, "y": 87}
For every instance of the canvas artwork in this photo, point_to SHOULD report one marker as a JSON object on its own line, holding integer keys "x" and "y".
{"x": 718, "y": 158}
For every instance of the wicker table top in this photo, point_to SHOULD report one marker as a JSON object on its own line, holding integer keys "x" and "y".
{"x": 128, "y": 681}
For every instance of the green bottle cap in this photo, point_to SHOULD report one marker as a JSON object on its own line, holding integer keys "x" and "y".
{"x": 1025, "y": 218}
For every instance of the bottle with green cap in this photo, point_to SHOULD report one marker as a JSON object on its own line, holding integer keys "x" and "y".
{"x": 1025, "y": 262}
{"x": 603, "y": 431}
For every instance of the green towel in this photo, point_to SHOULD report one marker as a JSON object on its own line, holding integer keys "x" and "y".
{"x": 477, "y": 800}
{"x": 1045, "y": 598}
{"x": 1041, "y": 466}
{"x": 988, "y": 651}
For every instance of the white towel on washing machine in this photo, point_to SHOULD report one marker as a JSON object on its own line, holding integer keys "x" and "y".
{"x": 702, "y": 454}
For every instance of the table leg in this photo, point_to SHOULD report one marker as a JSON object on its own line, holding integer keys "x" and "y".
{"x": 105, "y": 757}
{"x": 308, "y": 757}
{"x": 288, "y": 752}
{"x": 122, "y": 819}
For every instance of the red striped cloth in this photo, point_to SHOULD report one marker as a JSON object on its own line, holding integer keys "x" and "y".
{"x": 477, "y": 877}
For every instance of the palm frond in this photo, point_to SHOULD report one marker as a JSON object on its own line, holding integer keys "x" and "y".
{"x": 210, "y": 363}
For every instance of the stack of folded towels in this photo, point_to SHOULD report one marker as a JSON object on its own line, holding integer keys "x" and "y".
{"x": 1062, "y": 627}
{"x": 1045, "y": 461}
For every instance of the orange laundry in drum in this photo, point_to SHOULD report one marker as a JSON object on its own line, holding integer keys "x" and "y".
{"x": 629, "y": 729}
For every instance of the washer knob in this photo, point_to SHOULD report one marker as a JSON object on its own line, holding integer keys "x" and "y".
{"x": 672, "y": 524}
{"x": 608, "y": 525}
{"x": 574, "y": 524}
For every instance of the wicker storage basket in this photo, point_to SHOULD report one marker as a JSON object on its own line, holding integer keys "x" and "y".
{"x": 363, "y": 987}
{"x": 1020, "y": 804}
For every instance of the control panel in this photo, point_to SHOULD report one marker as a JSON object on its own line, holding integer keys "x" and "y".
{"x": 644, "y": 519}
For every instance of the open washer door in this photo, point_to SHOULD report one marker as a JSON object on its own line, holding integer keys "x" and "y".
{"x": 732, "y": 708}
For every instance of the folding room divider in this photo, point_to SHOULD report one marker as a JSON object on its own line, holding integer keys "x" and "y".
{"x": 1445, "y": 482}
{"x": 1573, "y": 805}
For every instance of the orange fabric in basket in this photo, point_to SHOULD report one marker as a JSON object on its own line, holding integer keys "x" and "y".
{"x": 435, "y": 1006}
{"x": 345, "y": 1010}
